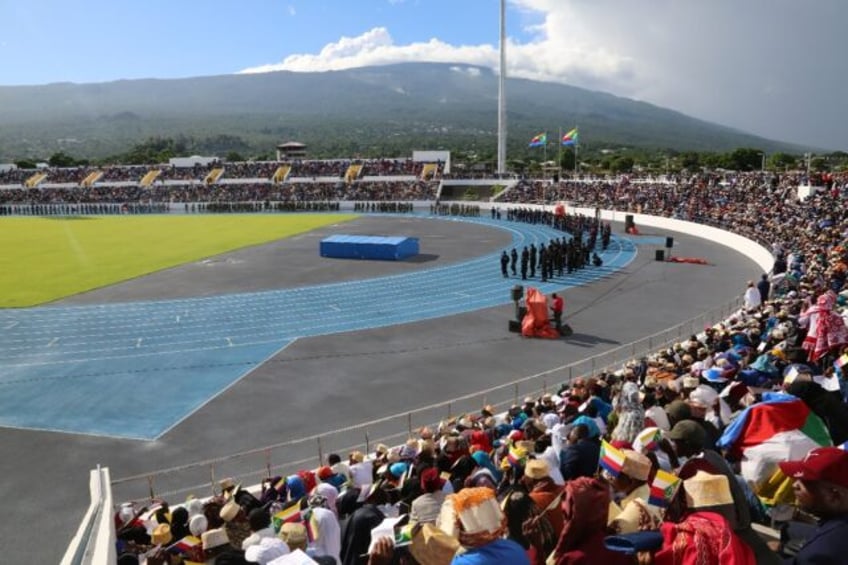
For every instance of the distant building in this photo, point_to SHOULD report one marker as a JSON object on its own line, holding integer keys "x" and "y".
{"x": 194, "y": 160}
{"x": 290, "y": 150}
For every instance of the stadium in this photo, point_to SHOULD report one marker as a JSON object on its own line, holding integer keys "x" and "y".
{"x": 305, "y": 346}
{"x": 366, "y": 360}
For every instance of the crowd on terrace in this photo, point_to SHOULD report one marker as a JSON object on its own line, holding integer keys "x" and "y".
{"x": 675, "y": 458}
{"x": 244, "y": 171}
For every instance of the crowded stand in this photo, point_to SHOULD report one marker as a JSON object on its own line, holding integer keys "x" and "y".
{"x": 728, "y": 447}
{"x": 197, "y": 172}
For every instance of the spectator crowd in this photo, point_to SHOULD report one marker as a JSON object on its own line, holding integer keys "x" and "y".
{"x": 728, "y": 447}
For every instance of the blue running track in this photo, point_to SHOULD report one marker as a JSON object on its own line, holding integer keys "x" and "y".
{"x": 137, "y": 369}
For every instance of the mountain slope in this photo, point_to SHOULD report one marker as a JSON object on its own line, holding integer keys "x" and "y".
{"x": 370, "y": 110}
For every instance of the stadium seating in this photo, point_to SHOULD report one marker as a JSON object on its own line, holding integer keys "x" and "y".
{"x": 281, "y": 174}
{"x": 92, "y": 178}
{"x": 35, "y": 180}
{"x": 151, "y": 176}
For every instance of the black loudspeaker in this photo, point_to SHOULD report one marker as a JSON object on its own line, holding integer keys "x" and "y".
{"x": 669, "y": 242}
{"x": 522, "y": 311}
{"x": 628, "y": 220}
{"x": 660, "y": 255}
{"x": 517, "y": 292}
{"x": 515, "y": 326}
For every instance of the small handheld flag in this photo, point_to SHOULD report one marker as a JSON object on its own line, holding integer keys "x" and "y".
{"x": 662, "y": 488}
{"x": 539, "y": 141}
{"x": 571, "y": 137}
{"x": 612, "y": 459}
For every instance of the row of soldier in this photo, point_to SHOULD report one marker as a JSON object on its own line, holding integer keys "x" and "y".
{"x": 560, "y": 256}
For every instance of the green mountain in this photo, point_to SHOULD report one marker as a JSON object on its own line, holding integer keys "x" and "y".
{"x": 370, "y": 111}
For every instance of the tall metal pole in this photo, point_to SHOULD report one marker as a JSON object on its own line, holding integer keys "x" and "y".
{"x": 502, "y": 95}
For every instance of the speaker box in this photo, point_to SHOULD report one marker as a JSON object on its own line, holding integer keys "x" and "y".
{"x": 660, "y": 255}
{"x": 515, "y": 326}
{"x": 517, "y": 292}
{"x": 628, "y": 220}
{"x": 669, "y": 242}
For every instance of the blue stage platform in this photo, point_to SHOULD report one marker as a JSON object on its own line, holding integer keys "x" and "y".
{"x": 369, "y": 247}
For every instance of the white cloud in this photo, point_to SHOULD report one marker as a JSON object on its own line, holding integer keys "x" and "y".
{"x": 553, "y": 55}
{"x": 292, "y": 10}
{"x": 470, "y": 71}
{"x": 714, "y": 60}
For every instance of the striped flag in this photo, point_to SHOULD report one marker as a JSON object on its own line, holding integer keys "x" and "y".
{"x": 612, "y": 459}
{"x": 311, "y": 528}
{"x": 289, "y": 514}
{"x": 662, "y": 488}
{"x": 841, "y": 362}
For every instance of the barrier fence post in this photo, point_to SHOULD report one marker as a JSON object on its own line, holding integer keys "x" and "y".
{"x": 150, "y": 487}
{"x": 367, "y": 443}
{"x": 212, "y": 479}
{"x": 409, "y": 422}
{"x": 268, "y": 462}
{"x": 516, "y": 394}
{"x": 544, "y": 386}
{"x": 320, "y": 453}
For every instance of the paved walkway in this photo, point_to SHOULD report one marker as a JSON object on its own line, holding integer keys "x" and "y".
{"x": 84, "y": 369}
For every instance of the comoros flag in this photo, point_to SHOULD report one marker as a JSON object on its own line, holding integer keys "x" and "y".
{"x": 780, "y": 428}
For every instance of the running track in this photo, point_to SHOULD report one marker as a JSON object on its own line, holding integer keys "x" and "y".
{"x": 136, "y": 370}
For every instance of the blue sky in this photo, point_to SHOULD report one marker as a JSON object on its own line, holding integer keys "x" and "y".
{"x": 770, "y": 67}
{"x": 101, "y": 40}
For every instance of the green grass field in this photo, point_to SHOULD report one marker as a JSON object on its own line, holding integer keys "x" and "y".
{"x": 45, "y": 259}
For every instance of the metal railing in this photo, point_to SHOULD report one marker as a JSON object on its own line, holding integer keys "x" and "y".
{"x": 252, "y": 466}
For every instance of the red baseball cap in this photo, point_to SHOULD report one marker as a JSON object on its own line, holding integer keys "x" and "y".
{"x": 821, "y": 464}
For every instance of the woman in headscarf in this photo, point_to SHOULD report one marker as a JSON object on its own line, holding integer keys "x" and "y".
{"x": 329, "y": 492}
{"x": 296, "y": 487}
{"x": 702, "y": 535}
{"x": 528, "y": 528}
{"x": 425, "y": 508}
{"x": 585, "y": 508}
{"x": 631, "y": 414}
{"x": 825, "y": 327}
{"x": 320, "y": 515}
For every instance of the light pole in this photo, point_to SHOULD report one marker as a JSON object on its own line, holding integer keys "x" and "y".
{"x": 502, "y": 95}
{"x": 763, "y": 163}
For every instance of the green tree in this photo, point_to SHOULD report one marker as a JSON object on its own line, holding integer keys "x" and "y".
{"x": 622, "y": 164}
{"x": 25, "y": 164}
{"x": 690, "y": 160}
{"x": 61, "y": 159}
{"x": 744, "y": 159}
{"x": 234, "y": 157}
{"x": 782, "y": 161}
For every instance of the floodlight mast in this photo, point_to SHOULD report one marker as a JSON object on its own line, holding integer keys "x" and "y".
{"x": 502, "y": 95}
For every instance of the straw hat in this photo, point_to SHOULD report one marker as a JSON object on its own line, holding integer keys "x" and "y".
{"x": 432, "y": 546}
{"x": 536, "y": 469}
{"x": 636, "y": 465}
{"x": 161, "y": 535}
{"x": 214, "y": 538}
{"x": 705, "y": 490}
{"x": 294, "y": 534}
{"x": 229, "y": 511}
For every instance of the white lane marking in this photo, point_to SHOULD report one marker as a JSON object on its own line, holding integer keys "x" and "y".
{"x": 53, "y": 342}
{"x": 138, "y": 343}
{"x": 336, "y": 308}
{"x": 229, "y": 342}
{"x": 11, "y": 325}
{"x": 464, "y": 295}
{"x": 178, "y": 318}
